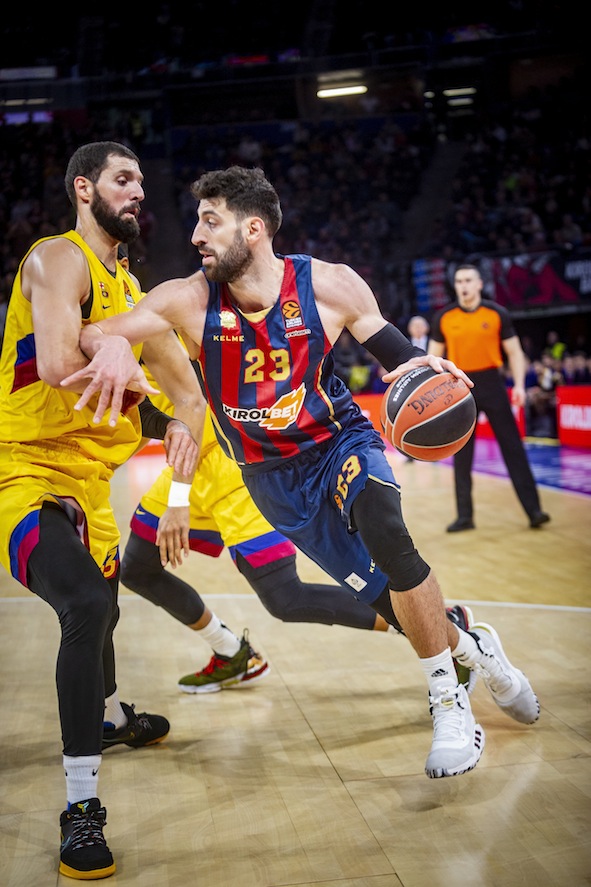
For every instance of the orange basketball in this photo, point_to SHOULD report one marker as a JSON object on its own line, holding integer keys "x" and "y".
{"x": 428, "y": 415}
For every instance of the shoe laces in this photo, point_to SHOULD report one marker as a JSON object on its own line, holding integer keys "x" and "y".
{"x": 87, "y": 829}
{"x": 140, "y": 720}
{"x": 448, "y": 716}
{"x": 492, "y": 672}
{"x": 214, "y": 663}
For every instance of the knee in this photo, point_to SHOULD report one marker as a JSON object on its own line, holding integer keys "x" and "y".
{"x": 131, "y": 571}
{"x": 377, "y": 514}
{"x": 278, "y": 587}
{"x": 140, "y": 564}
{"x": 88, "y": 612}
{"x": 275, "y": 603}
{"x": 404, "y": 566}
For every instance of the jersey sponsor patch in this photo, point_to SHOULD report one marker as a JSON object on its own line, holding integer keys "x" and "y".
{"x": 303, "y": 332}
{"x": 283, "y": 413}
{"x": 228, "y": 320}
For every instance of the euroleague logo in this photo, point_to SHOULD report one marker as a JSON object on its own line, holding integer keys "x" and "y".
{"x": 292, "y": 314}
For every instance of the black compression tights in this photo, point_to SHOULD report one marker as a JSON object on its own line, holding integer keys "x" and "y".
{"x": 62, "y": 572}
{"x": 280, "y": 590}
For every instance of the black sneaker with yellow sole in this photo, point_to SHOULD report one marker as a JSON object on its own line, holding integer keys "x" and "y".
{"x": 84, "y": 854}
{"x": 141, "y": 729}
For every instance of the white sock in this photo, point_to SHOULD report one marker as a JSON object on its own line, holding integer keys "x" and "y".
{"x": 219, "y": 637}
{"x": 114, "y": 714}
{"x": 81, "y": 777}
{"x": 466, "y": 645}
{"x": 440, "y": 672}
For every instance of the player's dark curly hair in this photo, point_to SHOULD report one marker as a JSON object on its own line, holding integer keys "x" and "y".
{"x": 247, "y": 192}
{"x": 90, "y": 160}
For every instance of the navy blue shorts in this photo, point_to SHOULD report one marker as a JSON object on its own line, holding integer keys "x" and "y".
{"x": 309, "y": 500}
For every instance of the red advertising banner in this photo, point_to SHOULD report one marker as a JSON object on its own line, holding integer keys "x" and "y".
{"x": 370, "y": 406}
{"x": 484, "y": 430}
{"x": 573, "y": 409}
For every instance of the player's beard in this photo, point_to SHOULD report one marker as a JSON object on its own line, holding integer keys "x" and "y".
{"x": 232, "y": 264}
{"x": 124, "y": 230}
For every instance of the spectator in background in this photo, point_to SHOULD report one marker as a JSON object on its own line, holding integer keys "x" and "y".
{"x": 418, "y": 331}
{"x": 541, "y": 397}
{"x": 554, "y": 347}
{"x": 476, "y": 334}
{"x": 582, "y": 372}
{"x": 570, "y": 232}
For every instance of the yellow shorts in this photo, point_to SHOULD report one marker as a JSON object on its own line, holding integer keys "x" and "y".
{"x": 222, "y": 514}
{"x": 31, "y": 474}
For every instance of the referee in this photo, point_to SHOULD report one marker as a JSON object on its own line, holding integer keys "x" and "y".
{"x": 474, "y": 333}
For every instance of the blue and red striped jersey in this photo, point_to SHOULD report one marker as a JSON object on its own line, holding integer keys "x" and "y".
{"x": 269, "y": 377}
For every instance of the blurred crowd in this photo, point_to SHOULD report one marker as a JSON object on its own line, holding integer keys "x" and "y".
{"x": 559, "y": 363}
{"x": 524, "y": 183}
{"x": 345, "y": 184}
{"x": 344, "y": 187}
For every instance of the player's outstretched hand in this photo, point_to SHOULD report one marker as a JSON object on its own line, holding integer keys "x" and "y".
{"x": 113, "y": 372}
{"x": 439, "y": 364}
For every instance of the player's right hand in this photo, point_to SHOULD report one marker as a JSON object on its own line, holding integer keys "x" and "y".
{"x": 111, "y": 372}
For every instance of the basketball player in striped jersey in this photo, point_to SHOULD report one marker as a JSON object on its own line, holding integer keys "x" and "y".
{"x": 221, "y": 514}
{"x": 58, "y": 534}
{"x": 262, "y": 327}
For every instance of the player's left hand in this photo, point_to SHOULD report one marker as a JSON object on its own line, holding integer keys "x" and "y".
{"x": 439, "y": 364}
{"x": 182, "y": 450}
{"x": 172, "y": 536}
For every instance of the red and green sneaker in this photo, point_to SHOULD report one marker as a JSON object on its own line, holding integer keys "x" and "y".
{"x": 243, "y": 669}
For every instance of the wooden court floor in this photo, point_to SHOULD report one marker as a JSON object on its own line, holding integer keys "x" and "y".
{"x": 315, "y": 775}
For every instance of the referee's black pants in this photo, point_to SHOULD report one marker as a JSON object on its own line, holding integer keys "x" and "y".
{"x": 491, "y": 397}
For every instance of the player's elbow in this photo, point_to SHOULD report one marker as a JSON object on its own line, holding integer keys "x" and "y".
{"x": 51, "y": 371}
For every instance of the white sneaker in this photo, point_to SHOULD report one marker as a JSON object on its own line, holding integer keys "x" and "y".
{"x": 508, "y": 686}
{"x": 458, "y": 740}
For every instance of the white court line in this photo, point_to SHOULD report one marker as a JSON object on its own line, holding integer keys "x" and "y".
{"x": 449, "y": 601}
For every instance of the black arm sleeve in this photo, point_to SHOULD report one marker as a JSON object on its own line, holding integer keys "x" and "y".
{"x": 391, "y": 347}
{"x": 154, "y": 421}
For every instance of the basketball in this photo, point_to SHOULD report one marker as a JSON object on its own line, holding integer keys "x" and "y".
{"x": 428, "y": 415}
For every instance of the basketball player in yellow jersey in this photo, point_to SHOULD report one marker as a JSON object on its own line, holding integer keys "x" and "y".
{"x": 58, "y": 535}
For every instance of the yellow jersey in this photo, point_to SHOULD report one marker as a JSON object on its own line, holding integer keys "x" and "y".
{"x": 32, "y": 411}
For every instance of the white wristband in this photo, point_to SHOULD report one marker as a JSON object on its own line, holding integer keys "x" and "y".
{"x": 178, "y": 494}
